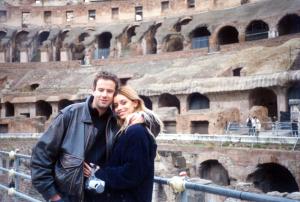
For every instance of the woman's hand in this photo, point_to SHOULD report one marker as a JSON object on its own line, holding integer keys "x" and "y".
{"x": 87, "y": 170}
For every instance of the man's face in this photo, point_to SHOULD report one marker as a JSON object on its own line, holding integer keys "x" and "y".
{"x": 103, "y": 94}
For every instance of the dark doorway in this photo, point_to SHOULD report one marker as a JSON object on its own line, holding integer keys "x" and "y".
{"x": 273, "y": 177}
{"x": 168, "y": 100}
{"x": 9, "y": 109}
{"x": 199, "y": 127}
{"x": 289, "y": 24}
{"x": 214, "y": 171}
{"x": 197, "y": 101}
{"x": 256, "y": 30}
{"x": 104, "y": 45}
{"x": 43, "y": 108}
{"x": 228, "y": 35}
{"x": 264, "y": 97}
{"x": 200, "y": 38}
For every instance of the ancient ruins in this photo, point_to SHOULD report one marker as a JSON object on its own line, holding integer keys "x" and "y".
{"x": 199, "y": 64}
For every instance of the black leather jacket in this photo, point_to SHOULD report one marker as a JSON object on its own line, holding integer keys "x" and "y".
{"x": 57, "y": 159}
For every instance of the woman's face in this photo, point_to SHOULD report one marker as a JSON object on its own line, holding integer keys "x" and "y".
{"x": 124, "y": 106}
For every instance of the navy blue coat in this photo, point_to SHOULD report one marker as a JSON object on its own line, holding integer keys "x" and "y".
{"x": 130, "y": 171}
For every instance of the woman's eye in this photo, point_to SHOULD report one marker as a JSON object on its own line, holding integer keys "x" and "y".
{"x": 123, "y": 102}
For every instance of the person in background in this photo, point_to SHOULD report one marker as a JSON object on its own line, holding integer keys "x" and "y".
{"x": 249, "y": 125}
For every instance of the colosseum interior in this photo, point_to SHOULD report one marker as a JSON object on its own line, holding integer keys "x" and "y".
{"x": 199, "y": 64}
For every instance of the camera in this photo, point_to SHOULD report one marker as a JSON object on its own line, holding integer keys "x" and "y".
{"x": 93, "y": 183}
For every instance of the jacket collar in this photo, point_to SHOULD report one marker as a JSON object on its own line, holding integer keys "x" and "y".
{"x": 86, "y": 115}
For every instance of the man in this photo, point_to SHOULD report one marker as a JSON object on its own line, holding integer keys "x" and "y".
{"x": 80, "y": 132}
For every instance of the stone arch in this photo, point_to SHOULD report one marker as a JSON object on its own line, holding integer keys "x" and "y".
{"x": 228, "y": 35}
{"x": 82, "y": 36}
{"x": 289, "y": 24}
{"x": 264, "y": 97}
{"x": 43, "y": 36}
{"x": 64, "y": 103}
{"x": 173, "y": 42}
{"x": 78, "y": 49}
{"x": 125, "y": 39}
{"x": 103, "y": 41}
{"x": 149, "y": 42}
{"x": 214, "y": 171}
{"x": 147, "y": 101}
{"x": 256, "y": 30}
{"x": 273, "y": 177}
{"x": 197, "y": 101}
{"x": 181, "y": 22}
{"x": 20, "y": 39}
{"x": 200, "y": 37}
{"x": 43, "y": 108}
{"x": 9, "y": 109}
{"x": 168, "y": 100}
{"x": 59, "y": 43}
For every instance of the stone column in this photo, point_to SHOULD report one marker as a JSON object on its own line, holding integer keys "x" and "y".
{"x": 273, "y": 32}
{"x": 23, "y": 55}
{"x": 44, "y": 54}
{"x": 64, "y": 54}
{"x": 154, "y": 103}
{"x": 2, "y": 56}
{"x": 282, "y": 104}
{"x": 213, "y": 43}
{"x": 183, "y": 103}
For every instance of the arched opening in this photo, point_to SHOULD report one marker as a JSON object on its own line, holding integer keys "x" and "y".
{"x": 168, "y": 100}
{"x": 78, "y": 51}
{"x": 43, "y": 108}
{"x": 184, "y": 21}
{"x": 237, "y": 71}
{"x": 264, "y": 97}
{"x": 173, "y": 43}
{"x": 150, "y": 41}
{"x": 9, "y": 109}
{"x": 64, "y": 103}
{"x": 104, "y": 45}
{"x": 43, "y": 37}
{"x": 197, "y": 101}
{"x": 34, "y": 86}
{"x": 214, "y": 171}
{"x": 200, "y": 37}
{"x": 59, "y": 44}
{"x": 2, "y": 35}
{"x": 20, "y": 40}
{"x": 130, "y": 33}
{"x": 256, "y": 30}
{"x": 289, "y": 24}
{"x": 228, "y": 35}
{"x": 273, "y": 177}
{"x": 147, "y": 101}
{"x": 82, "y": 37}
{"x": 36, "y": 54}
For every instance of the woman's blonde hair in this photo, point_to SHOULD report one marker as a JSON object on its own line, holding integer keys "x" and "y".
{"x": 150, "y": 118}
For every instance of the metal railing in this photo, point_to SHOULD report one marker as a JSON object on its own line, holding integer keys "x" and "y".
{"x": 188, "y": 185}
{"x": 214, "y": 189}
{"x": 266, "y": 128}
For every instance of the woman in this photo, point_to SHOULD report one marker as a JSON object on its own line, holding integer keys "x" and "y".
{"x": 129, "y": 174}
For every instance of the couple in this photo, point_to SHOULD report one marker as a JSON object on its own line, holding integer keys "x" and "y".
{"x": 86, "y": 134}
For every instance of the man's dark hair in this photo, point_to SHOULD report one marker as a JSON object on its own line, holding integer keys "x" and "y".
{"x": 106, "y": 76}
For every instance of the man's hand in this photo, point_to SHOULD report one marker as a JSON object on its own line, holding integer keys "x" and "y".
{"x": 87, "y": 170}
{"x": 56, "y": 198}
{"x": 136, "y": 118}
{"x": 177, "y": 184}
